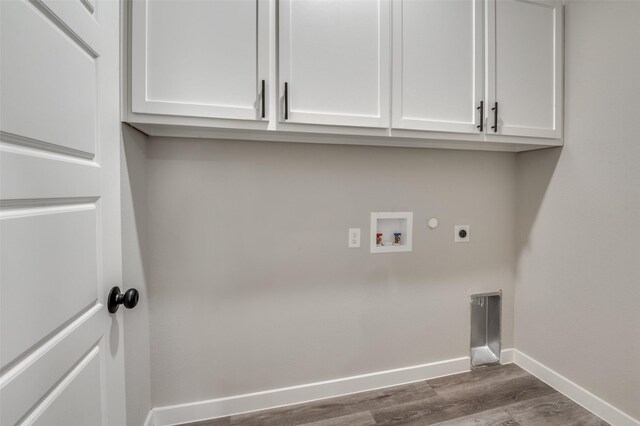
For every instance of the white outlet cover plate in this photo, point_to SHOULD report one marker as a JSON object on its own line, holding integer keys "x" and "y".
{"x": 354, "y": 237}
{"x": 457, "y": 238}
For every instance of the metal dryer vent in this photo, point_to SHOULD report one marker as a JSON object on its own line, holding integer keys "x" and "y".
{"x": 485, "y": 328}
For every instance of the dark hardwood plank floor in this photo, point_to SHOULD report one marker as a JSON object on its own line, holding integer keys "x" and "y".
{"x": 503, "y": 395}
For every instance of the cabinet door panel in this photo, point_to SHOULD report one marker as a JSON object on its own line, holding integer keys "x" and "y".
{"x": 199, "y": 58}
{"x": 528, "y": 67}
{"x": 334, "y": 55}
{"x": 437, "y": 65}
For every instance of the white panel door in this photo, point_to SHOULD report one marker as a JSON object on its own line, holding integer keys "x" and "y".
{"x": 525, "y": 67}
{"x": 61, "y": 357}
{"x": 438, "y": 65}
{"x": 200, "y": 58}
{"x": 334, "y": 62}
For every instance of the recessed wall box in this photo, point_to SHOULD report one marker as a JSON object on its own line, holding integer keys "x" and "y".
{"x": 389, "y": 224}
{"x": 485, "y": 328}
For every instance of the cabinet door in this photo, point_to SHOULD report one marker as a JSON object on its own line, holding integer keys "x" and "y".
{"x": 334, "y": 59}
{"x": 525, "y": 57}
{"x": 437, "y": 65}
{"x": 200, "y": 58}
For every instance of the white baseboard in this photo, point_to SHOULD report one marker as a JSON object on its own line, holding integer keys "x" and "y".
{"x": 149, "y": 420}
{"x": 221, "y": 407}
{"x": 601, "y": 408}
{"x": 506, "y": 356}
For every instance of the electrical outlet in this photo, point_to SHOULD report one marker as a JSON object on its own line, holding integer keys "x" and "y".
{"x": 461, "y": 234}
{"x": 354, "y": 237}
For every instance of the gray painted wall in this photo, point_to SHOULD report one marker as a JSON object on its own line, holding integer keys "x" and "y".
{"x": 578, "y": 286}
{"x": 136, "y": 321}
{"x": 251, "y": 285}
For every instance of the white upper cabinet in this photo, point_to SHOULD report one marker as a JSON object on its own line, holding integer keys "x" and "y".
{"x": 200, "y": 58}
{"x": 334, "y": 62}
{"x": 525, "y": 67}
{"x": 438, "y": 65}
{"x": 485, "y": 73}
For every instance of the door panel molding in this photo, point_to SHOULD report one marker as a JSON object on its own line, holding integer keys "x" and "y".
{"x": 58, "y": 107}
{"x": 35, "y": 375}
{"x": 75, "y": 397}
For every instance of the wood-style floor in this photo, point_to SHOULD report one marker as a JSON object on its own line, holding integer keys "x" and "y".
{"x": 500, "y": 395}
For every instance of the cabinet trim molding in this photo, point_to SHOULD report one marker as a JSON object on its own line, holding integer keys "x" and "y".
{"x": 294, "y": 115}
{"x": 140, "y": 101}
{"x": 402, "y": 120}
{"x": 493, "y": 73}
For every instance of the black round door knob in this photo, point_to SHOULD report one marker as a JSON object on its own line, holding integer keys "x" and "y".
{"x": 129, "y": 299}
{"x": 462, "y": 233}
